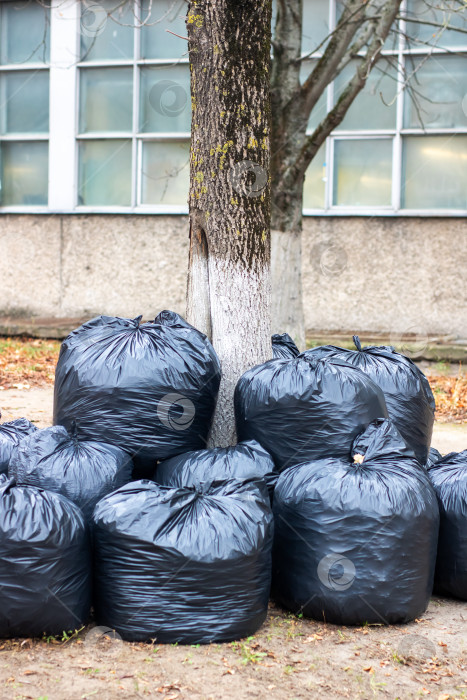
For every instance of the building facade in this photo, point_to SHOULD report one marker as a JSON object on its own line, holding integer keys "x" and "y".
{"x": 94, "y": 138}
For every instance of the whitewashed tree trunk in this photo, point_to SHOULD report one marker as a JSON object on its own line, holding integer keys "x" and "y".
{"x": 286, "y": 275}
{"x": 229, "y": 267}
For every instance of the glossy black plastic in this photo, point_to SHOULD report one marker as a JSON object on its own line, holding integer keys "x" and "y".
{"x": 10, "y": 435}
{"x": 433, "y": 457}
{"x": 82, "y": 470}
{"x": 305, "y": 408}
{"x": 283, "y": 346}
{"x": 409, "y": 399}
{"x": 449, "y": 478}
{"x": 45, "y": 554}
{"x": 190, "y": 565}
{"x": 150, "y": 389}
{"x": 355, "y": 539}
{"x": 247, "y": 460}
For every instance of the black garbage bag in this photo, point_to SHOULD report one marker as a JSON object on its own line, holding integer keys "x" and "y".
{"x": 247, "y": 460}
{"x": 449, "y": 478}
{"x": 82, "y": 470}
{"x": 45, "y": 575}
{"x": 409, "y": 399}
{"x": 305, "y": 408}
{"x": 355, "y": 541}
{"x": 189, "y": 565}
{"x": 150, "y": 389}
{"x": 433, "y": 457}
{"x": 283, "y": 346}
{"x": 10, "y": 435}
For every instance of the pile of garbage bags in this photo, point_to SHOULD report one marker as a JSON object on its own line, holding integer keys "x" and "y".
{"x": 332, "y": 496}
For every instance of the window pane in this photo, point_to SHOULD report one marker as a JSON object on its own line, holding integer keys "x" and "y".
{"x": 449, "y": 12}
{"x": 166, "y": 173}
{"x": 24, "y": 32}
{"x": 24, "y": 102}
{"x": 375, "y": 106}
{"x": 315, "y": 181}
{"x": 363, "y": 171}
{"x": 24, "y": 173}
{"x": 434, "y": 172}
{"x": 107, "y": 30}
{"x": 315, "y": 24}
{"x": 165, "y": 99}
{"x": 105, "y": 173}
{"x": 320, "y": 109}
{"x": 156, "y": 41}
{"x": 440, "y": 86}
{"x": 106, "y": 99}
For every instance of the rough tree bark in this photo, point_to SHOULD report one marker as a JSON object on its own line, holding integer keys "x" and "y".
{"x": 360, "y": 34}
{"x": 229, "y": 201}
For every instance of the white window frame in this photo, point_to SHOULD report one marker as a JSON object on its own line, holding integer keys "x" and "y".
{"x": 64, "y": 137}
{"x": 397, "y": 134}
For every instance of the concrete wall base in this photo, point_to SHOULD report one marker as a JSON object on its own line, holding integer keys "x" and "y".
{"x": 397, "y": 276}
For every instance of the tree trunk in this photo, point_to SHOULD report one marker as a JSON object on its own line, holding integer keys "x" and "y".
{"x": 286, "y": 263}
{"x": 229, "y": 266}
{"x": 360, "y": 25}
{"x": 287, "y": 135}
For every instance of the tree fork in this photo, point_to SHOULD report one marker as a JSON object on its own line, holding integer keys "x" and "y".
{"x": 229, "y": 201}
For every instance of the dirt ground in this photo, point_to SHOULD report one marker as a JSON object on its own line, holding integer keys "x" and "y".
{"x": 288, "y": 658}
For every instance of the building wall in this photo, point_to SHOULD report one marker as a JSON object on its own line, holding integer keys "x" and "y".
{"x": 396, "y": 275}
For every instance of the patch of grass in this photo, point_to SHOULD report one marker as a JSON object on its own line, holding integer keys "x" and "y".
{"x": 249, "y": 652}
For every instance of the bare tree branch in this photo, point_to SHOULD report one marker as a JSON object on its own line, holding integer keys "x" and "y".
{"x": 354, "y": 86}
{"x": 352, "y": 18}
{"x": 439, "y": 25}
